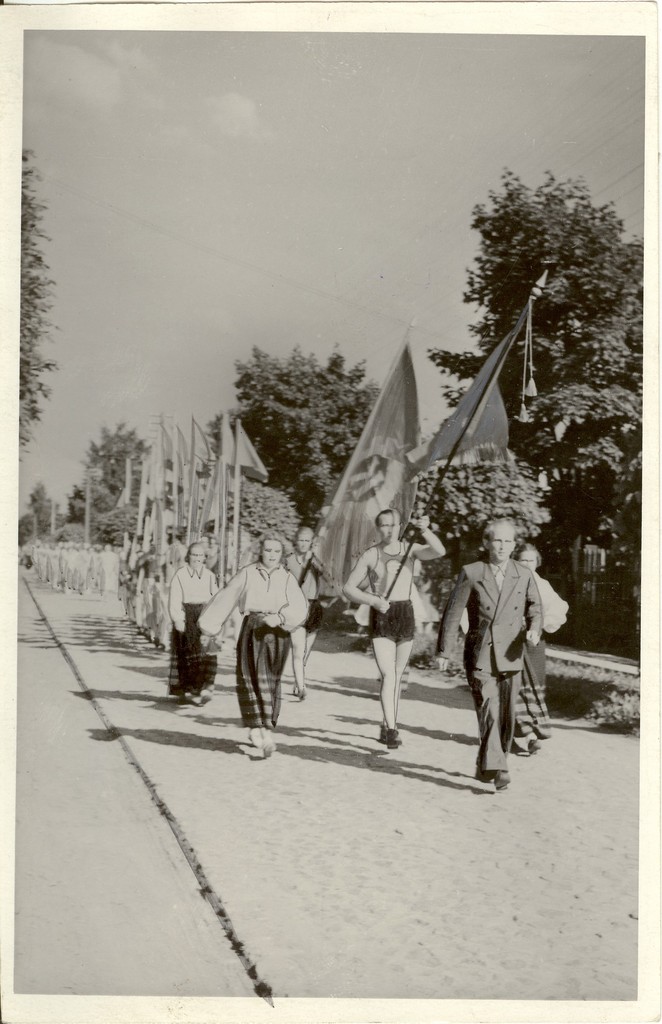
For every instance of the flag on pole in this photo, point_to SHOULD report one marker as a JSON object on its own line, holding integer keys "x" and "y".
{"x": 142, "y": 497}
{"x": 207, "y": 509}
{"x": 199, "y": 474}
{"x": 246, "y": 457}
{"x": 478, "y": 428}
{"x": 376, "y": 477}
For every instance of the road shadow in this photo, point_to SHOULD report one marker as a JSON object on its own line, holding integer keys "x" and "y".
{"x": 418, "y": 730}
{"x": 171, "y": 738}
{"x": 331, "y": 751}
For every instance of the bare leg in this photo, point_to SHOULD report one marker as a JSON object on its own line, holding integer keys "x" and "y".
{"x": 310, "y": 643}
{"x": 402, "y": 652}
{"x": 385, "y": 656}
{"x": 298, "y": 637}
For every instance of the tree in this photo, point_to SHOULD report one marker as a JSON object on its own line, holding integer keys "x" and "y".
{"x": 110, "y": 527}
{"x": 587, "y": 342}
{"x": 466, "y": 499}
{"x": 105, "y": 463}
{"x": 38, "y": 521}
{"x": 107, "y": 460}
{"x": 36, "y": 301}
{"x": 265, "y": 508}
{"x": 304, "y": 419}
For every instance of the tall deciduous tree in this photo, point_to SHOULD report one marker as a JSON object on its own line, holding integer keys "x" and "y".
{"x": 36, "y": 301}
{"x": 304, "y": 418}
{"x": 106, "y": 463}
{"x": 40, "y": 509}
{"x": 587, "y": 342}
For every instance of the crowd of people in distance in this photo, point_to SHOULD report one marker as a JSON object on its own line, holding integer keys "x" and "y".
{"x": 493, "y": 623}
{"x": 75, "y": 568}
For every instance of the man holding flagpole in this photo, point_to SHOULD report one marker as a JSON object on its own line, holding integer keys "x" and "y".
{"x": 383, "y": 578}
{"x": 504, "y": 609}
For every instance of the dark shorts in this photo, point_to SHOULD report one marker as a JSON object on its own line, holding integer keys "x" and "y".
{"x": 396, "y": 624}
{"x": 314, "y": 620}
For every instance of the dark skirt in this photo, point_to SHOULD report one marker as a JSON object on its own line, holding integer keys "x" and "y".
{"x": 261, "y": 655}
{"x": 315, "y": 615}
{"x": 532, "y": 716}
{"x": 192, "y": 670}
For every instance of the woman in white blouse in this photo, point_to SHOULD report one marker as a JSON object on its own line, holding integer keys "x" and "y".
{"x": 192, "y": 668}
{"x": 532, "y": 717}
{"x": 273, "y": 604}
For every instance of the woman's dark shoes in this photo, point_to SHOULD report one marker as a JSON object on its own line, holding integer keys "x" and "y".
{"x": 393, "y": 740}
{"x": 382, "y": 734}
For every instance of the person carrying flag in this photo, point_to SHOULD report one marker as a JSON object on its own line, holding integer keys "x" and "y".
{"x": 386, "y": 571}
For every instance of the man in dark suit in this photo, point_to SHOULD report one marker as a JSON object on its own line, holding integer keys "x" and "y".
{"x": 504, "y": 609}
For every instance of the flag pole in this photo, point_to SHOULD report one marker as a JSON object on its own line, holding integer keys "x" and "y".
{"x": 190, "y": 485}
{"x": 496, "y": 369}
{"x": 236, "y": 496}
{"x": 221, "y": 516}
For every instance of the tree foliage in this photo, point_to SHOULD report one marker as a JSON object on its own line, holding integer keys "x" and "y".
{"x": 587, "y": 329}
{"x": 265, "y": 508}
{"x": 467, "y": 498}
{"x": 304, "y": 418}
{"x": 40, "y": 509}
{"x": 105, "y": 462}
{"x": 36, "y": 301}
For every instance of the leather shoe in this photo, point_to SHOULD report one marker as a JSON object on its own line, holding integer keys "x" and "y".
{"x": 393, "y": 740}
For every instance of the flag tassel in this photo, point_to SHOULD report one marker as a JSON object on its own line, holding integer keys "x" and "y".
{"x": 503, "y": 348}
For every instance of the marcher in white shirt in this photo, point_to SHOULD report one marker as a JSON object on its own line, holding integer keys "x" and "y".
{"x": 273, "y": 604}
{"x": 192, "y": 668}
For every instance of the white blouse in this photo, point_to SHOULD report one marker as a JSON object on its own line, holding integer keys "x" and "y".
{"x": 554, "y": 608}
{"x": 255, "y": 589}
{"x": 187, "y": 587}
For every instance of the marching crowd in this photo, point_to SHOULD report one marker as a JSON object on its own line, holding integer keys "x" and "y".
{"x": 494, "y": 622}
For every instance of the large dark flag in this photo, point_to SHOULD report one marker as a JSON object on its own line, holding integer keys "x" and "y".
{"x": 377, "y": 475}
{"x": 478, "y": 428}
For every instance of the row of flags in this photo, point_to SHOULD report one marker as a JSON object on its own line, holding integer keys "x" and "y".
{"x": 186, "y": 484}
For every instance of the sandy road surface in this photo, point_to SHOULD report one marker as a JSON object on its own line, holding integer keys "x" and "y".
{"x": 347, "y": 871}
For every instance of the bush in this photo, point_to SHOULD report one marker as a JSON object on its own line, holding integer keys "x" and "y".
{"x": 424, "y": 656}
{"x": 618, "y": 711}
{"x": 423, "y": 652}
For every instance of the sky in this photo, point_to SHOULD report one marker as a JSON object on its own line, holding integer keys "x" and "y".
{"x": 207, "y": 192}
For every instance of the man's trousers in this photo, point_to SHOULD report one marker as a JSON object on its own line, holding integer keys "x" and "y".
{"x": 495, "y": 699}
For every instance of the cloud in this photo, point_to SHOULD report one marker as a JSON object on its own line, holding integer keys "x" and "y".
{"x": 238, "y": 116}
{"x": 66, "y": 73}
{"x": 132, "y": 58}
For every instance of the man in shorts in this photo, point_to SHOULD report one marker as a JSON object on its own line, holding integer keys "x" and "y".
{"x": 383, "y": 578}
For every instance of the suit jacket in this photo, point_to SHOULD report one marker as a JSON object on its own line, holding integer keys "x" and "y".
{"x": 498, "y": 621}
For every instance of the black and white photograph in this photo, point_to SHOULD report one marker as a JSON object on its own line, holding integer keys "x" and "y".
{"x": 331, "y": 522}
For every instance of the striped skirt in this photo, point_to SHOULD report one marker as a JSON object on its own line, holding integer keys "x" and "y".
{"x": 532, "y": 716}
{"x": 261, "y": 655}
{"x": 192, "y": 670}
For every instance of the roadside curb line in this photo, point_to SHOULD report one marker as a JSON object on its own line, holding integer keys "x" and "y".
{"x": 261, "y": 987}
